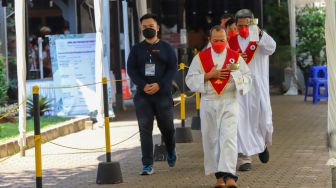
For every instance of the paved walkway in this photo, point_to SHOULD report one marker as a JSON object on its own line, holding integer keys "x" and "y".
{"x": 298, "y": 155}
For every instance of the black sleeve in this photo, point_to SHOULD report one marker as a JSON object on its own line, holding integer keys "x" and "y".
{"x": 133, "y": 70}
{"x": 171, "y": 67}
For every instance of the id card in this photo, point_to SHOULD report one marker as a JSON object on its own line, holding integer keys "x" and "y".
{"x": 149, "y": 69}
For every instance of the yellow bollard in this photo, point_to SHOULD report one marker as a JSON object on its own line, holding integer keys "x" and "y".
{"x": 183, "y": 108}
{"x": 37, "y": 137}
{"x": 198, "y": 100}
{"x": 108, "y": 172}
{"x": 182, "y": 67}
{"x": 196, "y": 120}
{"x": 183, "y": 133}
{"x": 106, "y": 121}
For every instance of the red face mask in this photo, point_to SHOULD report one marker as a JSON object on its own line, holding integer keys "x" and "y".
{"x": 244, "y": 32}
{"x": 218, "y": 47}
{"x": 232, "y": 33}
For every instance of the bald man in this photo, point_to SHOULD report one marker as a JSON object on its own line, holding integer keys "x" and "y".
{"x": 218, "y": 73}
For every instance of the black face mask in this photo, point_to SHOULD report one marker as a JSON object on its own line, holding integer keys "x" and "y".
{"x": 149, "y": 33}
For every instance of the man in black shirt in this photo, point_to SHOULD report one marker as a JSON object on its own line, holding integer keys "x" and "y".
{"x": 152, "y": 65}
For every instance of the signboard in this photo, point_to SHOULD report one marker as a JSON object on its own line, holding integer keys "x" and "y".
{"x": 73, "y": 64}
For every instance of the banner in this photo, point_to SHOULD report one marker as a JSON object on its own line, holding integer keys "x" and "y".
{"x": 73, "y": 64}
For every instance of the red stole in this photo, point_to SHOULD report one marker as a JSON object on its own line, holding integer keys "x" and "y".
{"x": 250, "y": 49}
{"x": 207, "y": 63}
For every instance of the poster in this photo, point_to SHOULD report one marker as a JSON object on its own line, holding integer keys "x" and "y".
{"x": 73, "y": 64}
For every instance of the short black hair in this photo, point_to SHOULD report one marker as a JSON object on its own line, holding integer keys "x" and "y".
{"x": 230, "y": 22}
{"x": 148, "y": 16}
{"x": 215, "y": 28}
{"x": 227, "y": 15}
{"x": 244, "y": 13}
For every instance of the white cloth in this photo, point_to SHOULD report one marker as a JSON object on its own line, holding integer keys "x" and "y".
{"x": 243, "y": 43}
{"x": 99, "y": 55}
{"x": 330, "y": 35}
{"x": 219, "y": 114}
{"x": 243, "y": 159}
{"x": 255, "y": 127}
{"x": 20, "y": 27}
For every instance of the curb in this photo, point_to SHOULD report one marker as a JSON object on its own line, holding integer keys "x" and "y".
{"x": 79, "y": 123}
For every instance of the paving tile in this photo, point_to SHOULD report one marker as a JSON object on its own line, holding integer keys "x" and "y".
{"x": 298, "y": 155}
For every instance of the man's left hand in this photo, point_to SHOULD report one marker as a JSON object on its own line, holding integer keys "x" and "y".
{"x": 260, "y": 32}
{"x": 153, "y": 88}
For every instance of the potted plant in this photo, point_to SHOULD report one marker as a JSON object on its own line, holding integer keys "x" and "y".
{"x": 45, "y": 105}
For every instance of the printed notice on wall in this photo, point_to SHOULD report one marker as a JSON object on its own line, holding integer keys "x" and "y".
{"x": 73, "y": 64}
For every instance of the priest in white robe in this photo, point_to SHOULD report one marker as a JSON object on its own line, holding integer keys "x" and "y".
{"x": 255, "y": 127}
{"x": 219, "y": 73}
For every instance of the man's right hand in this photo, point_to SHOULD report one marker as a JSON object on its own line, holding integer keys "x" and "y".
{"x": 151, "y": 89}
{"x": 217, "y": 73}
{"x": 244, "y": 56}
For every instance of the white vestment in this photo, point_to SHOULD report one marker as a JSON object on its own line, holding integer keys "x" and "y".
{"x": 255, "y": 127}
{"x": 219, "y": 113}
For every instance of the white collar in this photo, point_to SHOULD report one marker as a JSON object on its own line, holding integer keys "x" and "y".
{"x": 213, "y": 53}
{"x": 242, "y": 39}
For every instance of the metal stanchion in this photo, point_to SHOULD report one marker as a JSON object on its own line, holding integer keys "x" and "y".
{"x": 108, "y": 172}
{"x": 183, "y": 134}
{"x": 333, "y": 177}
{"x": 196, "y": 120}
{"x": 160, "y": 152}
{"x": 37, "y": 137}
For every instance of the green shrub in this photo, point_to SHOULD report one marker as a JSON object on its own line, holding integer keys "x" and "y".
{"x": 8, "y": 113}
{"x": 310, "y": 30}
{"x": 3, "y": 81}
{"x": 277, "y": 22}
{"x": 12, "y": 90}
{"x": 12, "y": 68}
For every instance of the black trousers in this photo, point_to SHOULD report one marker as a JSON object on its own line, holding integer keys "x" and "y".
{"x": 161, "y": 107}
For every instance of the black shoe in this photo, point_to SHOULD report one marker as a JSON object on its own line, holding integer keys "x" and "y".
{"x": 171, "y": 159}
{"x": 264, "y": 156}
{"x": 245, "y": 167}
